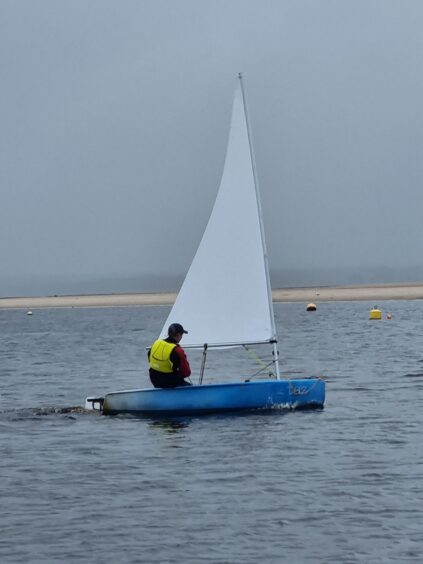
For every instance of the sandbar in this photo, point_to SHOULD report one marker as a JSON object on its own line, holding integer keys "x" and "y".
{"x": 374, "y": 293}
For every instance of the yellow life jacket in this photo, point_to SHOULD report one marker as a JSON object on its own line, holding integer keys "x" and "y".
{"x": 160, "y": 356}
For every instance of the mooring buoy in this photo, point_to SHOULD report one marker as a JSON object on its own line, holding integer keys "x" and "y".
{"x": 375, "y": 313}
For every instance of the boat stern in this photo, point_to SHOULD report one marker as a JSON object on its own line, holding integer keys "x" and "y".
{"x": 94, "y": 403}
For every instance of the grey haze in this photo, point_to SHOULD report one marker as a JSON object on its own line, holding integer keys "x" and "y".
{"x": 114, "y": 120}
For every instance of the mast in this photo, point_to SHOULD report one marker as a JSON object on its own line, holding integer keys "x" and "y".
{"x": 263, "y": 240}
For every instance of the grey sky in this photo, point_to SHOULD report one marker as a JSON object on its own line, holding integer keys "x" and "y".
{"x": 114, "y": 119}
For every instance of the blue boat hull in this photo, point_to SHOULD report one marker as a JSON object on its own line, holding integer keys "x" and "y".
{"x": 212, "y": 398}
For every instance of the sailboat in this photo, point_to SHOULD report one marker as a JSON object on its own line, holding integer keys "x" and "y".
{"x": 226, "y": 300}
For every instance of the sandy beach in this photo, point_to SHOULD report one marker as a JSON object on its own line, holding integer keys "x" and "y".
{"x": 374, "y": 293}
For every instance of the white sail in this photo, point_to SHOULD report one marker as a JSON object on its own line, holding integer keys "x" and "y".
{"x": 225, "y": 298}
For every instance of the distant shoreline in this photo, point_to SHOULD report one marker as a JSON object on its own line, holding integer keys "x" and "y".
{"x": 313, "y": 294}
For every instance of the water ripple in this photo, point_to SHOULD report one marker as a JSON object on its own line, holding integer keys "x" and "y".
{"x": 341, "y": 484}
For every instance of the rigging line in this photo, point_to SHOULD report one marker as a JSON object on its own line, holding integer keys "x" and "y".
{"x": 301, "y": 391}
{"x": 261, "y": 370}
{"x": 254, "y": 355}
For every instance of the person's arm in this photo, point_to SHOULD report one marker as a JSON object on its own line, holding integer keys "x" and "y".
{"x": 180, "y": 362}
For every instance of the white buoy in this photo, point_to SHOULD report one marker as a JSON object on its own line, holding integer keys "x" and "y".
{"x": 29, "y": 312}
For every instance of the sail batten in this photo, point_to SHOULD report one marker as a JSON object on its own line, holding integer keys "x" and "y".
{"x": 224, "y": 298}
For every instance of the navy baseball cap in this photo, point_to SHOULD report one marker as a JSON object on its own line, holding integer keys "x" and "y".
{"x": 176, "y": 328}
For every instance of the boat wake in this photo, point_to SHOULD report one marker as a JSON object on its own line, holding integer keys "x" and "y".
{"x": 36, "y": 412}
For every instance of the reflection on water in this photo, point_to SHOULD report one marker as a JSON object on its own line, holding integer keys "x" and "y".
{"x": 170, "y": 425}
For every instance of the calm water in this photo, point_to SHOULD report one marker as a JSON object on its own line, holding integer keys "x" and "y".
{"x": 343, "y": 484}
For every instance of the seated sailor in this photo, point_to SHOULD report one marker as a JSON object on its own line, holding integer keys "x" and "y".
{"x": 168, "y": 363}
